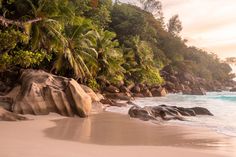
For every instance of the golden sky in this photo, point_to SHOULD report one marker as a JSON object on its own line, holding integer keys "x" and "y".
{"x": 208, "y": 24}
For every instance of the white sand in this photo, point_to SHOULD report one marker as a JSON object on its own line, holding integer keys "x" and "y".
{"x": 28, "y": 139}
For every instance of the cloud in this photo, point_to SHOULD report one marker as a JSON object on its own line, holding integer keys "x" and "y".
{"x": 209, "y": 24}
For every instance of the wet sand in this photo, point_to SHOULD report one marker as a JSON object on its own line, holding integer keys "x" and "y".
{"x": 108, "y": 134}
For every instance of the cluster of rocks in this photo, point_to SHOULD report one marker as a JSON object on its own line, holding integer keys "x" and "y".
{"x": 233, "y": 89}
{"x": 123, "y": 92}
{"x": 187, "y": 83}
{"x": 164, "y": 112}
{"x": 40, "y": 93}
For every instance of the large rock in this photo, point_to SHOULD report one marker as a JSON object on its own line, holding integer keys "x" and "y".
{"x": 9, "y": 116}
{"x": 119, "y": 96}
{"x": 40, "y": 93}
{"x": 130, "y": 86}
{"x": 107, "y": 101}
{"x": 141, "y": 113}
{"x": 113, "y": 103}
{"x": 146, "y": 93}
{"x": 95, "y": 97}
{"x": 173, "y": 78}
{"x": 194, "y": 91}
{"x": 198, "y": 91}
{"x": 100, "y": 96}
{"x": 201, "y": 111}
{"x": 124, "y": 89}
{"x": 165, "y": 112}
{"x": 136, "y": 89}
{"x": 233, "y": 89}
{"x": 103, "y": 82}
{"x": 112, "y": 89}
{"x": 158, "y": 92}
{"x": 179, "y": 87}
{"x": 6, "y": 102}
{"x": 81, "y": 101}
{"x": 140, "y": 95}
{"x": 187, "y": 77}
{"x": 3, "y": 87}
{"x": 170, "y": 86}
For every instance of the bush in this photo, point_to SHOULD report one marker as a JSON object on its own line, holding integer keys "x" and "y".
{"x": 23, "y": 59}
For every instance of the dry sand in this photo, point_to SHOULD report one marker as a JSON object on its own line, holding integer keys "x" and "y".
{"x": 108, "y": 135}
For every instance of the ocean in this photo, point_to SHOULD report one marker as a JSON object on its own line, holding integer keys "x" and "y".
{"x": 221, "y": 104}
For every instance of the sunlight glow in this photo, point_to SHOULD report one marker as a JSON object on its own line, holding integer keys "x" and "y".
{"x": 208, "y": 24}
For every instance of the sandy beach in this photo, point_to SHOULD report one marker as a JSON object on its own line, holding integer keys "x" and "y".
{"x": 108, "y": 134}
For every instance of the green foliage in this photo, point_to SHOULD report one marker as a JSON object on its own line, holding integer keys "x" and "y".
{"x": 81, "y": 7}
{"x": 101, "y": 16}
{"x": 92, "y": 83}
{"x": 127, "y": 21}
{"x": 5, "y": 61}
{"x": 10, "y": 38}
{"x": 23, "y": 59}
{"x": 149, "y": 75}
{"x": 27, "y": 59}
{"x": 87, "y": 39}
{"x": 139, "y": 63}
{"x": 110, "y": 58}
{"x": 78, "y": 48}
{"x": 154, "y": 7}
{"x": 174, "y": 25}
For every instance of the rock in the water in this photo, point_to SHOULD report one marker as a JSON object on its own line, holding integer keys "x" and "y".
{"x": 201, "y": 111}
{"x": 138, "y": 112}
{"x": 166, "y": 112}
{"x": 40, "y": 93}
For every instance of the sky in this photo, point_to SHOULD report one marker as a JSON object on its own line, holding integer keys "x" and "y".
{"x": 207, "y": 24}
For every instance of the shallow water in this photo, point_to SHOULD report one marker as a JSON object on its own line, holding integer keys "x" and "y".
{"x": 221, "y": 104}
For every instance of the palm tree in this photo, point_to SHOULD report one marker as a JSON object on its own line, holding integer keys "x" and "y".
{"x": 107, "y": 52}
{"x": 47, "y": 33}
{"x": 63, "y": 33}
{"x": 110, "y": 58}
{"x": 79, "y": 52}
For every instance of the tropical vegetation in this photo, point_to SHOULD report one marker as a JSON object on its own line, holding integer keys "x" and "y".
{"x": 93, "y": 39}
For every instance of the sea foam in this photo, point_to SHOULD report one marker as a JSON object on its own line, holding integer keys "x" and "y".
{"x": 221, "y": 104}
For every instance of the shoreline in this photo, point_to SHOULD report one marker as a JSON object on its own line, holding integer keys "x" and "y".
{"x": 107, "y": 134}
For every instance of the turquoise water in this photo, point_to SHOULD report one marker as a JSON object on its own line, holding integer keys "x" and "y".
{"x": 222, "y": 105}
